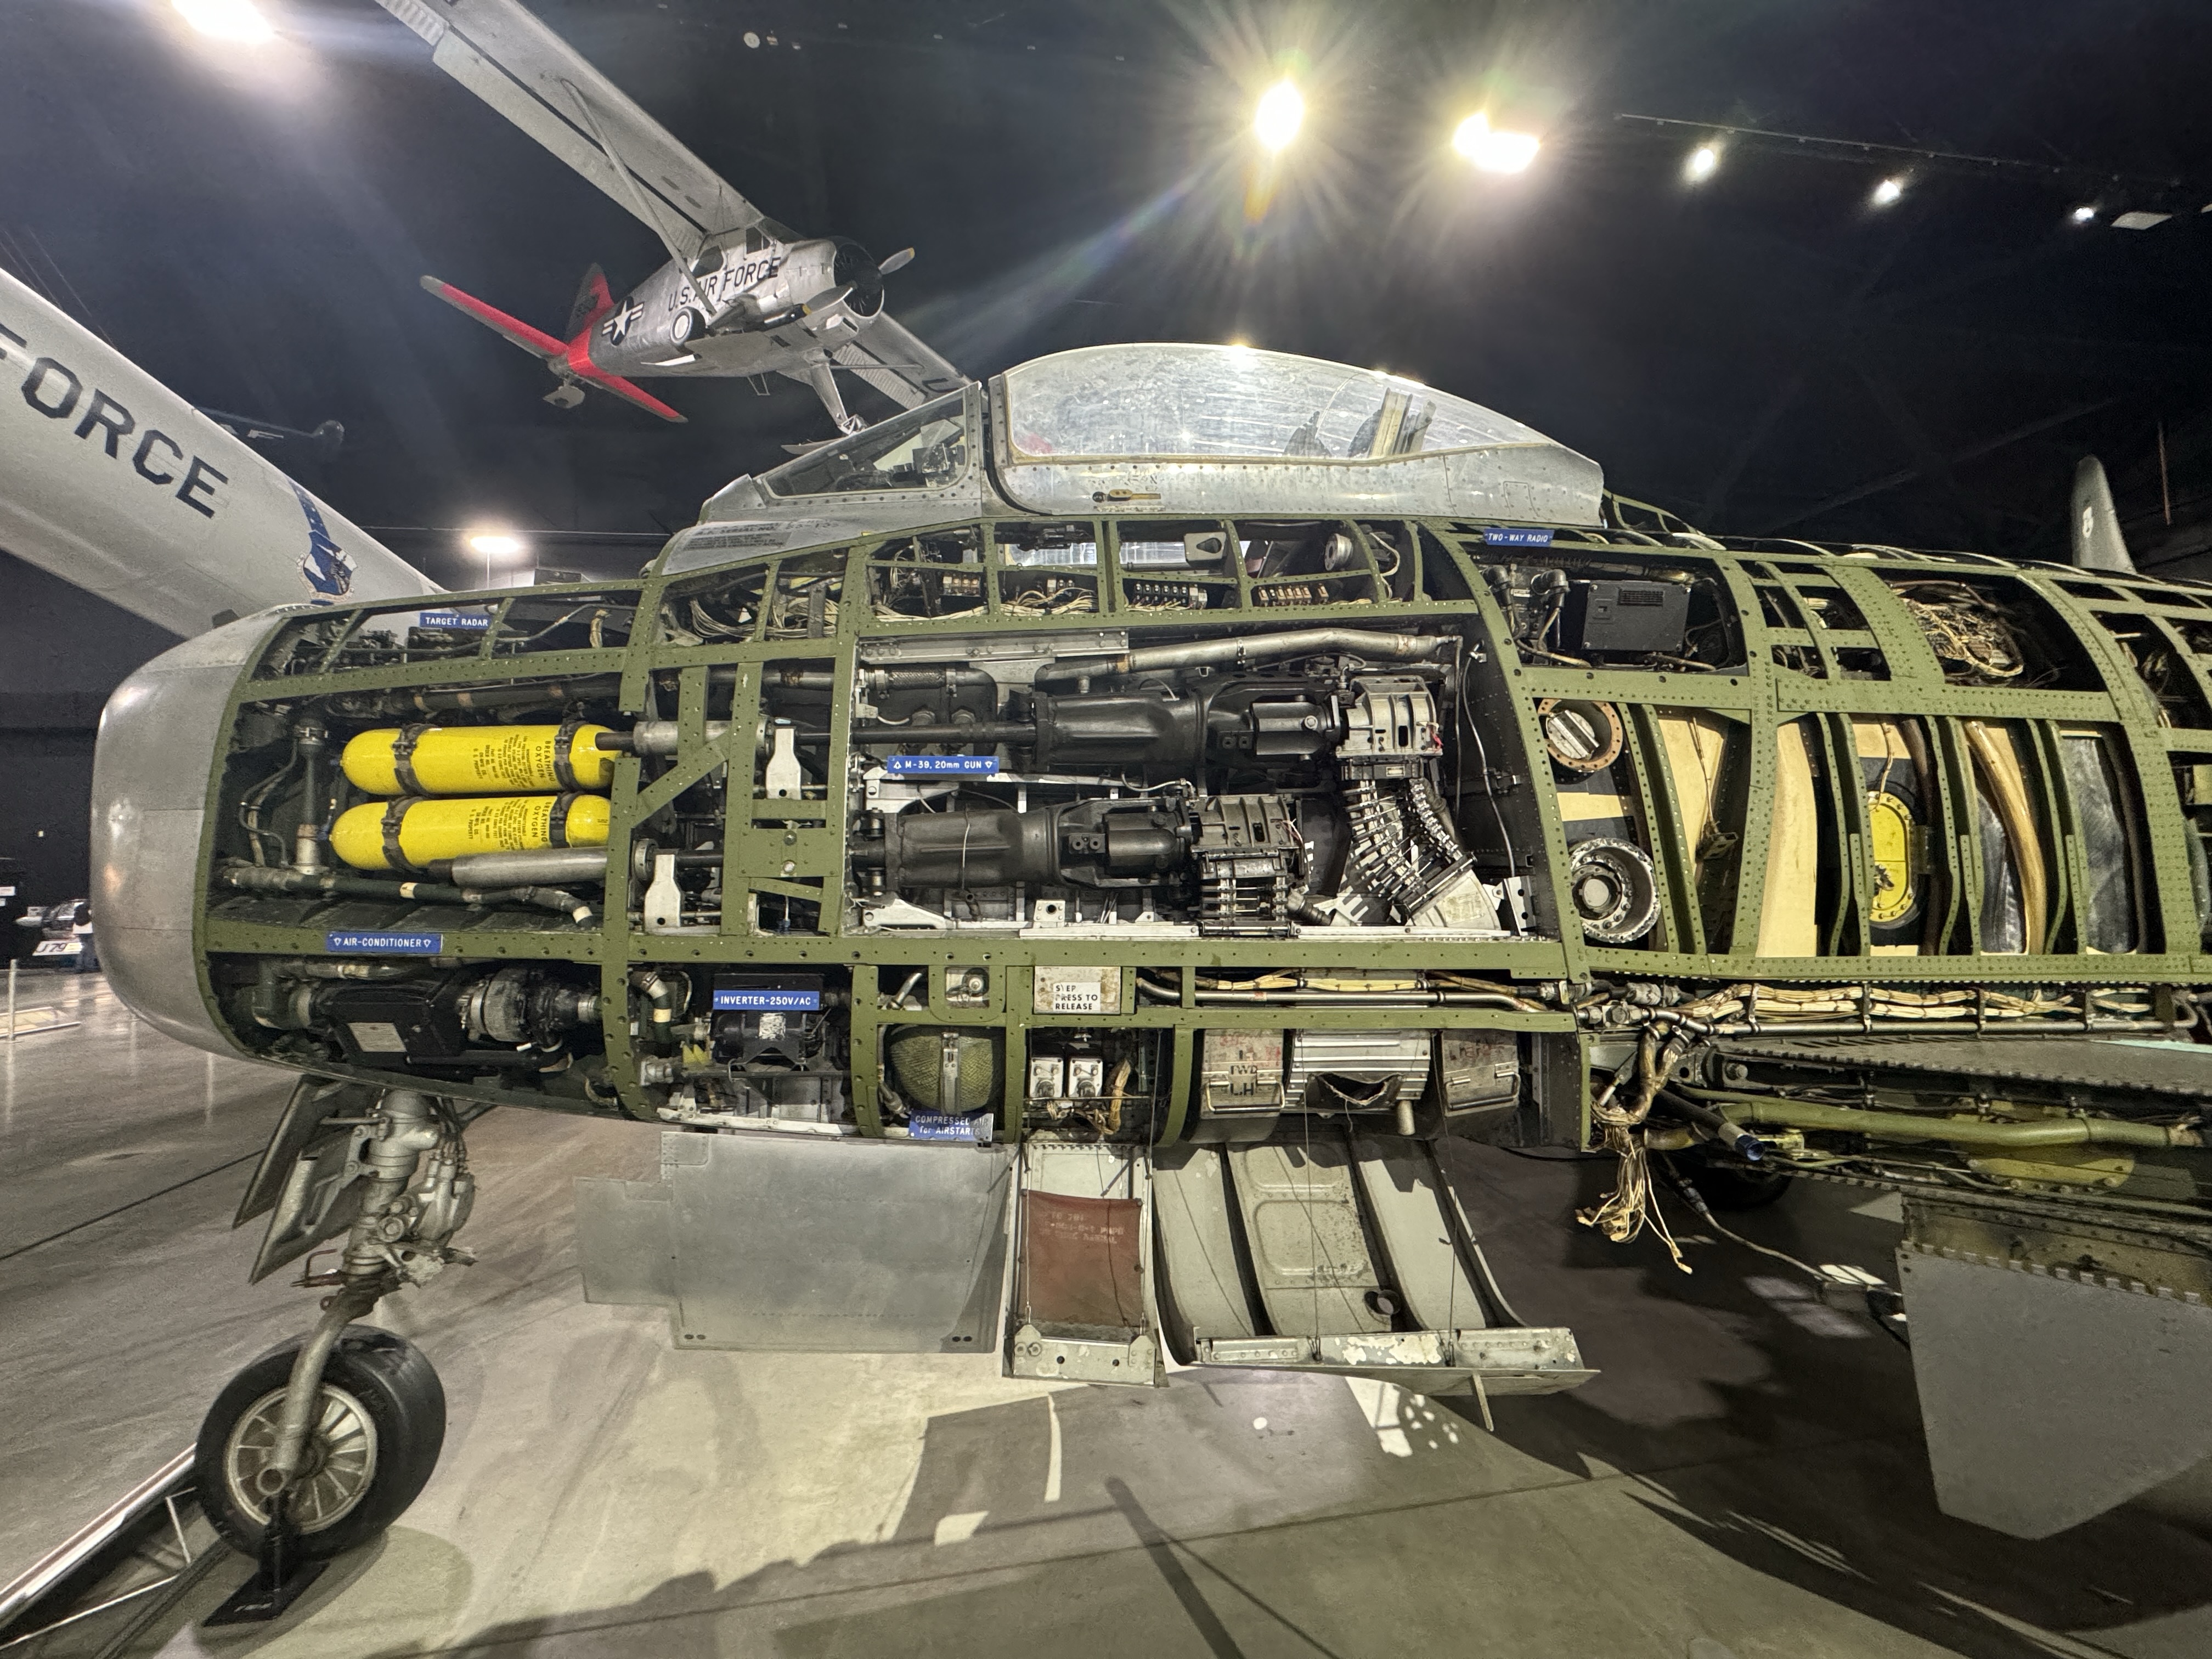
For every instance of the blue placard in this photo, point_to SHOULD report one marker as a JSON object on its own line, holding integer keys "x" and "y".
{"x": 765, "y": 998}
{"x": 964, "y": 766}
{"x": 454, "y": 619}
{"x": 939, "y": 1125}
{"x": 385, "y": 944}
{"x": 1516, "y": 535}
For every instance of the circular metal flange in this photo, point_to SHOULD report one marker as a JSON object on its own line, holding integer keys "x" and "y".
{"x": 336, "y": 1469}
{"x": 1614, "y": 888}
{"x": 1579, "y": 735}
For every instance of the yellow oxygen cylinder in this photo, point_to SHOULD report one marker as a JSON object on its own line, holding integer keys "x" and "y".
{"x": 467, "y": 759}
{"x": 412, "y": 833}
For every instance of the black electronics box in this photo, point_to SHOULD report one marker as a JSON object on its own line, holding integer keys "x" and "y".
{"x": 1612, "y": 619}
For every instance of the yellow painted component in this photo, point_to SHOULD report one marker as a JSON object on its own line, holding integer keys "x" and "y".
{"x": 2001, "y": 773}
{"x": 1889, "y": 857}
{"x": 1697, "y": 746}
{"x": 468, "y": 760}
{"x": 1880, "y": 738}
{"x": 1590, "y": 805}
{"x": 1788, "y": 923}
{"x": 451, "y": 827}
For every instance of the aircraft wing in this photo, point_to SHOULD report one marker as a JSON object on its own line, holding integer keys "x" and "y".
{"x": 890, "y": 358}
{"x": 531, "y": 76}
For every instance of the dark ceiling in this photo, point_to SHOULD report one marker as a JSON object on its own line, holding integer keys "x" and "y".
{"x": 1764, "y": 352}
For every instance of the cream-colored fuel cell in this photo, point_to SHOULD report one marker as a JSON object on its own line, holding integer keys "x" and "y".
{"x": 423, "y": 831}
{"x": 472, "y": 760}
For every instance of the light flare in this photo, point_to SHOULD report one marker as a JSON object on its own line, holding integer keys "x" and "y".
{"x": 1492, "y": 149}
{"x": 227, "y": 20}
{"x": 1281, "y": 110}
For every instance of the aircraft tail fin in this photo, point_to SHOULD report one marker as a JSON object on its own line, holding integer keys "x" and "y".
{"x": 2097, "y": 542}
{"x": 593, "y": 300}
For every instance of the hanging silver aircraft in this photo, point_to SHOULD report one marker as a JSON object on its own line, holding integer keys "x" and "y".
{"x": 741, "y": 296}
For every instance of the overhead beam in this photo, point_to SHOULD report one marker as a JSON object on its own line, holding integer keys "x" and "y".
{"x": 1890, "y": 481}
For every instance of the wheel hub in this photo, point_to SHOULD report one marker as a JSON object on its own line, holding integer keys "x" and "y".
{"x": 337, "y": 1464}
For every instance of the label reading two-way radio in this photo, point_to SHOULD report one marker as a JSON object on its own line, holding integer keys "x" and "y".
{"x": 1516, "y": 535}
{"x": 781, "y": 1001}
{"x": 385, "y": 944}
{"x": 919, "y": 766}
{"x": 454, "y": 619}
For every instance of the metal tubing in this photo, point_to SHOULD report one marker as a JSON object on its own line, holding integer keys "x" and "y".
{"x": 653, "y": 738}
{"x": 307, "y": 1383}
{"x": 534, "y": 868}
{"x": 1255, "y": 648}
{"x": 254, "y": 878}
{"x": 1961, "y": 1132}
{"x": 393, "y": 704}
{"x": 309, "y": 740}
{"x": 64, "y": 1559}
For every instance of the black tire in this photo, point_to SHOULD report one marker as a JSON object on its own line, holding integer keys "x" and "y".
{"x": 363, "y": 1481}
{"x": 1729, "y": 1183}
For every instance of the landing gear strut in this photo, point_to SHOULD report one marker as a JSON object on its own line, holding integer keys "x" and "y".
{"x": 322, "y": 1443}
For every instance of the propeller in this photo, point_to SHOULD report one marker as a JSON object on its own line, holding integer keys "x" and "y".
{"x": 898, "y": 261}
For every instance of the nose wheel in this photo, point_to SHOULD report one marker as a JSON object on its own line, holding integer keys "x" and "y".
{"x": 375, "y": 1428}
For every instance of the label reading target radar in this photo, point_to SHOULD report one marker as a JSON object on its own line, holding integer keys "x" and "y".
{"x": 1079, "y": 991}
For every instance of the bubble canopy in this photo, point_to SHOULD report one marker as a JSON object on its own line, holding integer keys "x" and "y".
{"x": 1191, "y": 401}
{"x": 1175, "y": 431}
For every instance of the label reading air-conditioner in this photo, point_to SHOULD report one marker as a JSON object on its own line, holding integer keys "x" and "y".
{"x": 1077, "y": 991}
{"x": 384, "y": 943}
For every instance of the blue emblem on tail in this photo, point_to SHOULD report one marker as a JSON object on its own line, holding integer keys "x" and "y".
{"x": 328, "y": 571}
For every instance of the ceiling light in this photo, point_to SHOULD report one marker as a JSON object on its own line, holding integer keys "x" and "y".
{"x": 227, "y": 20}
{"x": 494, "y": 544}
{"x": 2083, "y": 214}
{"x": 1276, "y": 120}
{"x": 1888, "y": 191}
{"x": 1703, "y": 162}
{"x": 1492, "y": 151}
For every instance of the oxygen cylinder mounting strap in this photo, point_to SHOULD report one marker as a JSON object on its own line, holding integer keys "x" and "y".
{"x": 403, "y": 757}
{"x": 564, "y": 745}
{"x": 556, "y": 821}
{"x": 395, "y": 814}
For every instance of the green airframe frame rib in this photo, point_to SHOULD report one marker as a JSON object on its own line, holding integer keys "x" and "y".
{"x": 781, "y": 851}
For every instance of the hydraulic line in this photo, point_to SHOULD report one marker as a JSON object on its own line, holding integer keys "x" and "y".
{"x": 256, "y": 878}
{"x": 393, "y": 705}
{"x": 1304, "y": 642}
{"x": 1959, "y": 1131}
